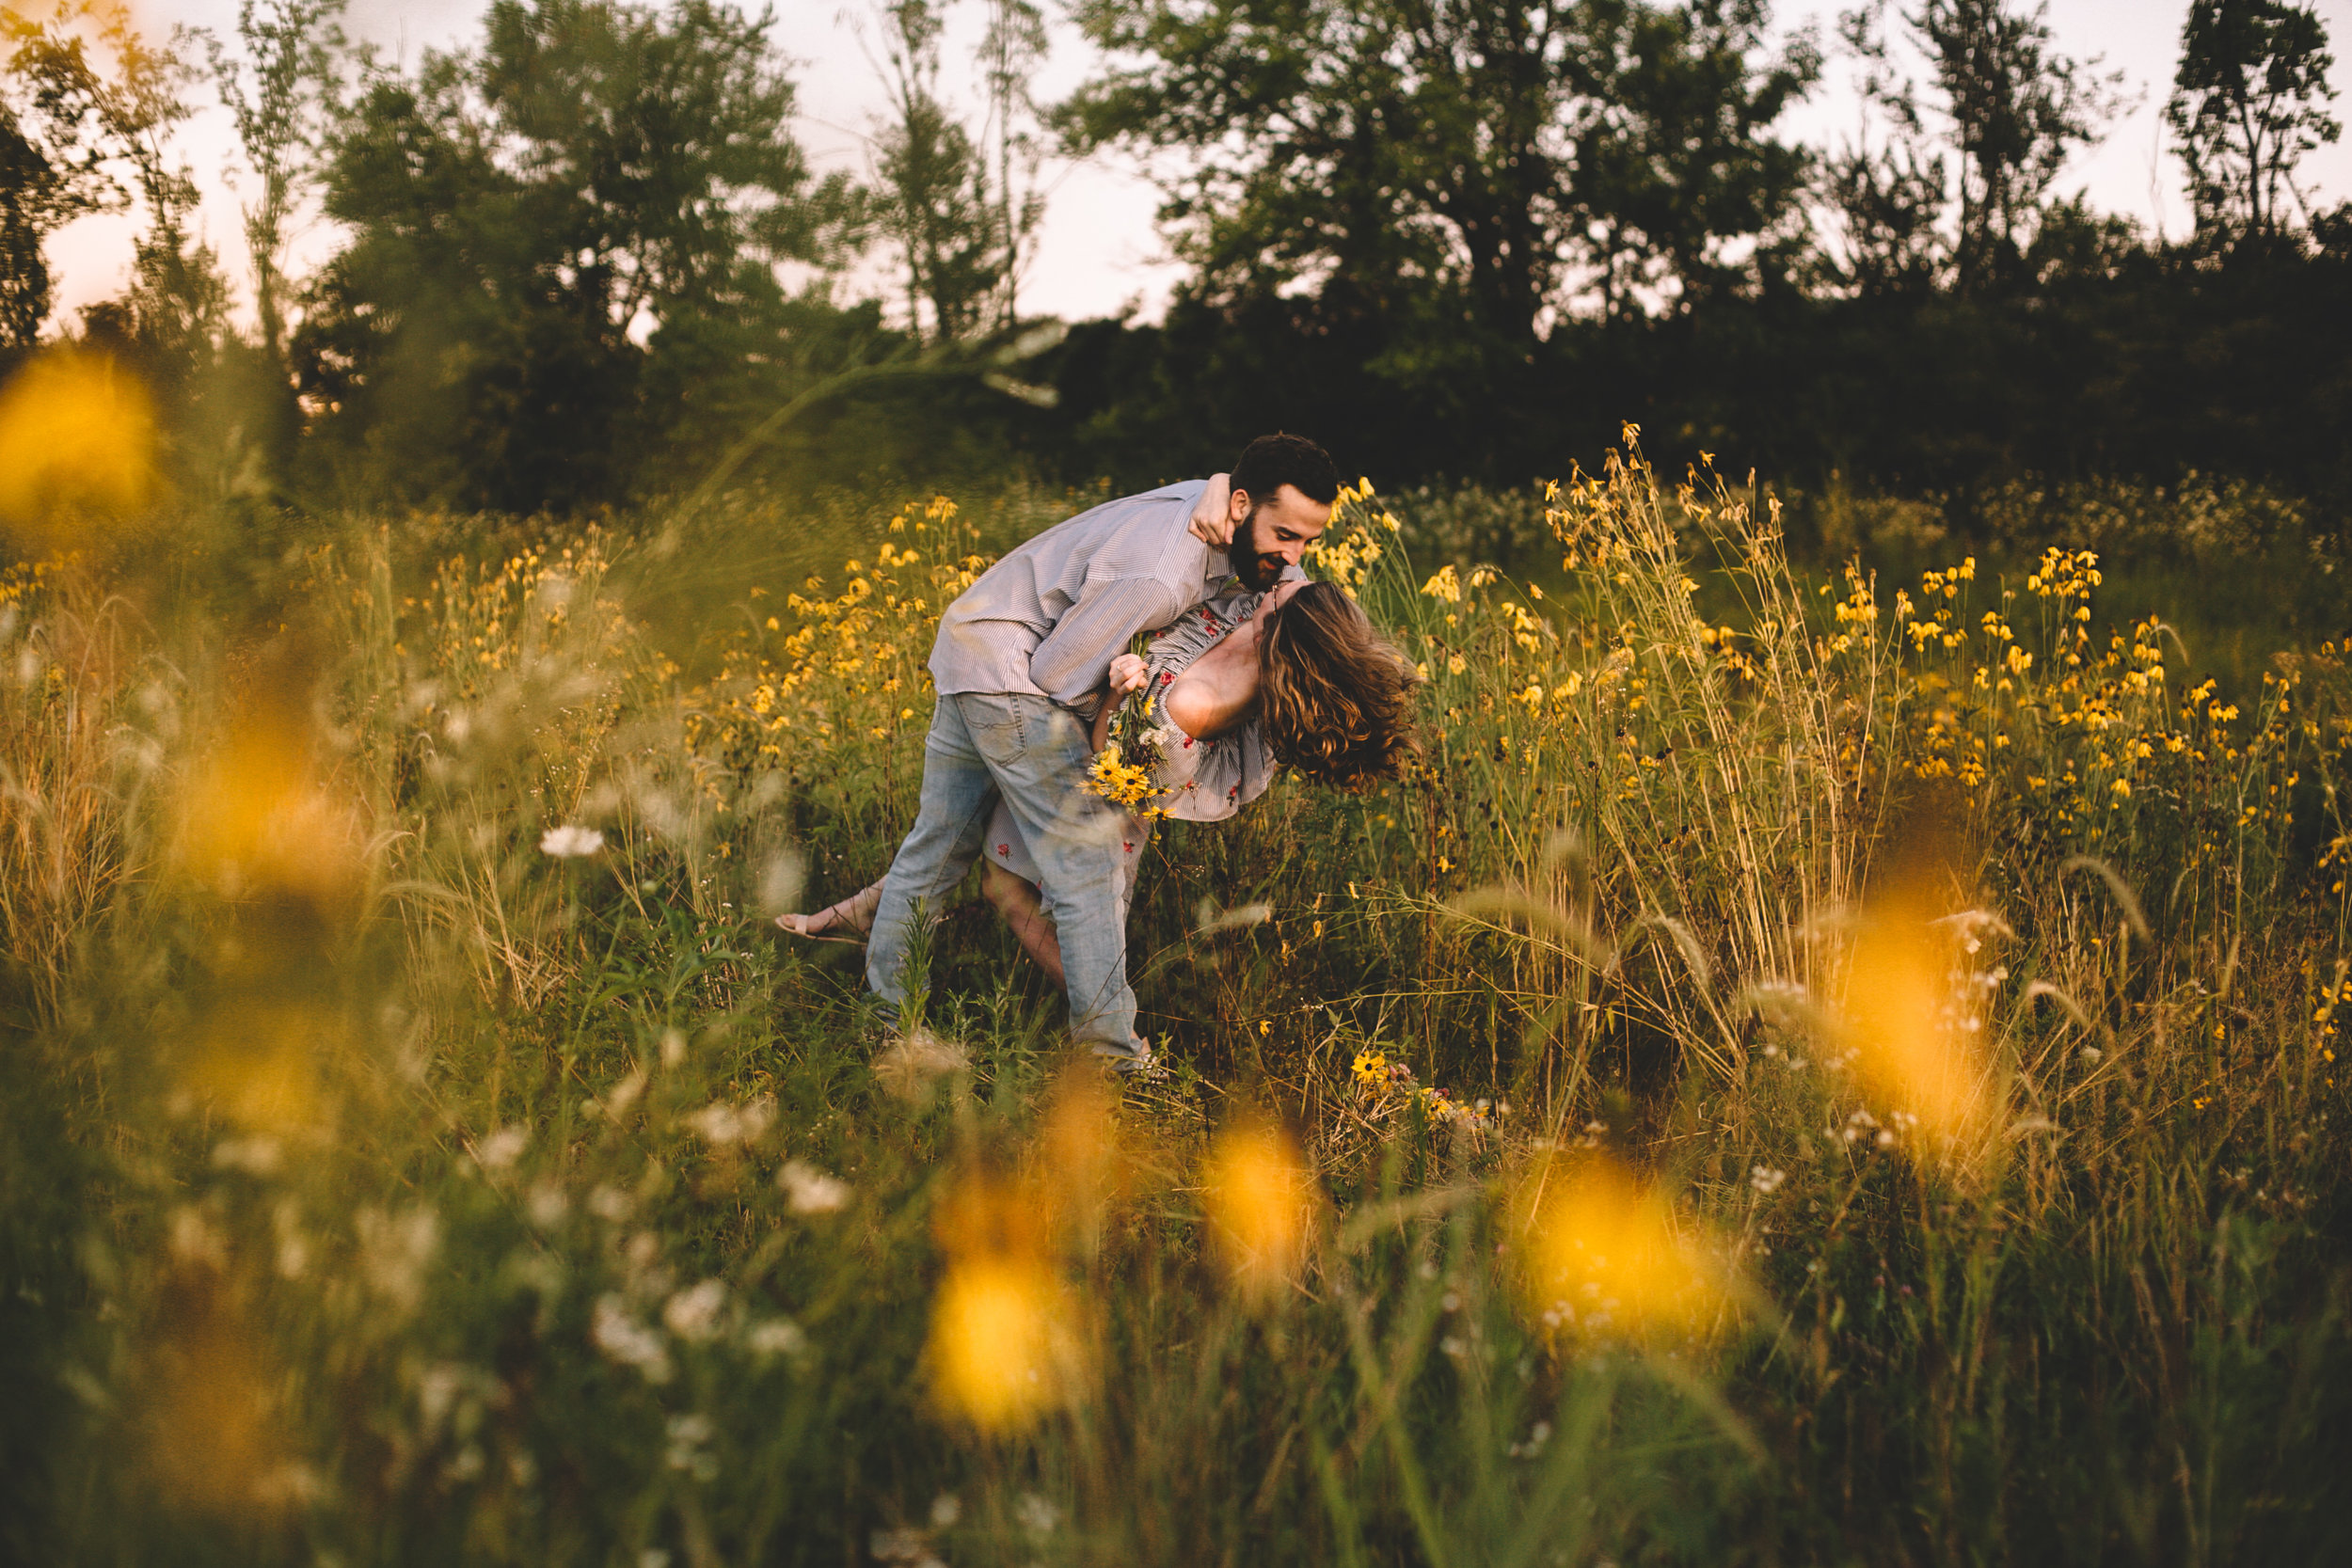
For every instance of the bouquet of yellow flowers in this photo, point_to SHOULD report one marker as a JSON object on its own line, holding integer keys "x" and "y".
{"x": 1126, "y": 773}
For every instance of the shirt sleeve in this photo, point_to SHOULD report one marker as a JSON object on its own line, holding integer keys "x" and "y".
{"x": 1074, "y": 660}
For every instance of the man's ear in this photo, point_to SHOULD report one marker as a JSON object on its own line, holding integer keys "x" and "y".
{"x": 1237, "y": 507}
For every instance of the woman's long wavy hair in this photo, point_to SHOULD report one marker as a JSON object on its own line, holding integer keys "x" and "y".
{"x": 1335, "y": 697}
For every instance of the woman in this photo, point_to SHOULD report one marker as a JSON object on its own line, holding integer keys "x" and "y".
{"x": 1296, "y": 677}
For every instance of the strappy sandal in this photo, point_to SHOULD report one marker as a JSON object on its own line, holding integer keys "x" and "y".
{"x": 856, "y": 913}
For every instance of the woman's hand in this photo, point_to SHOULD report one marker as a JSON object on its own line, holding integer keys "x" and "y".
{"x": 1129, "y": 675}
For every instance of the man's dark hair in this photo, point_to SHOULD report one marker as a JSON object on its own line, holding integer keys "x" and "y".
{"x": 1271, "y": 462}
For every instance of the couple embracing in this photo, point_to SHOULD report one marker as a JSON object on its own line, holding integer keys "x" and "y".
{"x": 1250, "y": 667}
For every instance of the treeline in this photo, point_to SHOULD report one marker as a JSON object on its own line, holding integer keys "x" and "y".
{"x": 584, "y": 259}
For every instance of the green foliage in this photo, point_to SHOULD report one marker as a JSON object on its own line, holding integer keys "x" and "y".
{"x": 2246, "y": 103}
{"x": 53, "y": 154}
{"x": 937, "y": 205}
{"x": 536, "y": 226}
{"x": 380, "y": 1184}
{"x": 2016, "y": 111}
{"x": 282, "y": 96}
{"x": 1482, "y": 163}
{"x": 103, "y": 99}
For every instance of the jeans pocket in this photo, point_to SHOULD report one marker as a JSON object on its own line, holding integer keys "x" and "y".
{"x": 998, "y": 729}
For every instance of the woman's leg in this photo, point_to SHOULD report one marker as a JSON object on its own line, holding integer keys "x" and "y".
{"x": 854, "y": 914}
{"x": 1024, "y": 911}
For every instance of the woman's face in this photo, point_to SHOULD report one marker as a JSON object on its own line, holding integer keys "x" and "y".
{"x": 1271, "y": 600}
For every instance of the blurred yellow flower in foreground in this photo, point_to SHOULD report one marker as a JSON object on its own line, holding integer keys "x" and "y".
{"x": 1082, "y": 1164}
{"x": 1604, "y": 1254}
{"x": 1009, "y": 1342}
{"x": 255, "y": 1061}
{"x": 77, "y": 438}
{"x": 255, "y": 818}
{"x": 1004, "y": 1346}
{"x": 206, "y": 1392}
{"x": 1263, "y": 1206}
{"x": 1908, "y": 1013}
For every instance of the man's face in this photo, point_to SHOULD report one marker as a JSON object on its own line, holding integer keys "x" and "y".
{"x": 1270, "y": 536}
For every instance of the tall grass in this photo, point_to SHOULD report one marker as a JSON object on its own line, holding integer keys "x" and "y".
{"x": 1801, "y": 1075}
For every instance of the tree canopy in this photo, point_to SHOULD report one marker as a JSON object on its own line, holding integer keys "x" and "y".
{"x": 585, "y": 257}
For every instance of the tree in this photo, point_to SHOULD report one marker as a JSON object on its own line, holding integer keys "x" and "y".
{"x": 1889, "y": 198}
{"x": 2016, "y": 110}
{"x": 935, "y": 186}
{"x": 53, "y": 150}
{"x": 281, "y": 94}
{"x": 1011, "y": 50}
{"x": 962, "y": 206}
{"x": 2248, "y": 103}
{"x": 599, "y": 194}
{"x": 89, "y": 97}
{"x": 178, "y": 304}
{"x": 1889, "y": 201}
{"x": 1472, "y": 164}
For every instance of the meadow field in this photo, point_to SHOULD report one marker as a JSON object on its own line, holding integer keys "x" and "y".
{"x": 1827, "y": 1063}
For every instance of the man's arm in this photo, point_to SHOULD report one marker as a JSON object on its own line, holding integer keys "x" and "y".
{"x": 1072, "y": 662}
{"x": 1212, "y": 514}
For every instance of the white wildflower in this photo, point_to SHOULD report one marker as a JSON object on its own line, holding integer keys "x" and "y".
{"x": 777, "y": 1337}
{"x": 810, "y": 1190}
{"x": 547, "y": 1205}
{"x": 693, "y": 1314}
{"x": 624, "y": 1093}
{"x": 291, "y": 1484}
{"x": 194, "y": 1239}
{"x": 570, "y": 843}
{"x": 503, "y": 1147}
{"x": 1036, "y": 1515}
{"x": 254, "y": 1156}
{"x": 909, "y": 1064}
{"x": 689, "y": 1440}
{"x": 1765, "y": 1179}
{"x": 912, "y": 1546}
{"x": 394, "y": 1250}
{"x": 626, "y": 1340}
{"x": 727, "y": 1124}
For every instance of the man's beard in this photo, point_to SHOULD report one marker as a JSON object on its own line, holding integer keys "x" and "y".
{"x": 1257, "y": 572}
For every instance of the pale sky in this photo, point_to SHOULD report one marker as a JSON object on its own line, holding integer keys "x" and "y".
{"x": 1099, "y": 250}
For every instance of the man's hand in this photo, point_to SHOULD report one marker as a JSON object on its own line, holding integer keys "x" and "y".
{"x": 1129, "y": 675}
{"x": 1212, "y": 514}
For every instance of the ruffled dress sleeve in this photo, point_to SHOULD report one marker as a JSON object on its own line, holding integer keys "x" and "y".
{"x": 1207, "y": 781}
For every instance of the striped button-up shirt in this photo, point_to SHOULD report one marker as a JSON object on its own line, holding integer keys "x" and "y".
{"x": 1049, "y": 618}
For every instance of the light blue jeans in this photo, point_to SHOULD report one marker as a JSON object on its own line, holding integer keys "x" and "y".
{"x": 1031, "y": 754}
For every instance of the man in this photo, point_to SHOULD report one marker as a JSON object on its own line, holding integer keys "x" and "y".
{"x": 1018, "y": 661}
